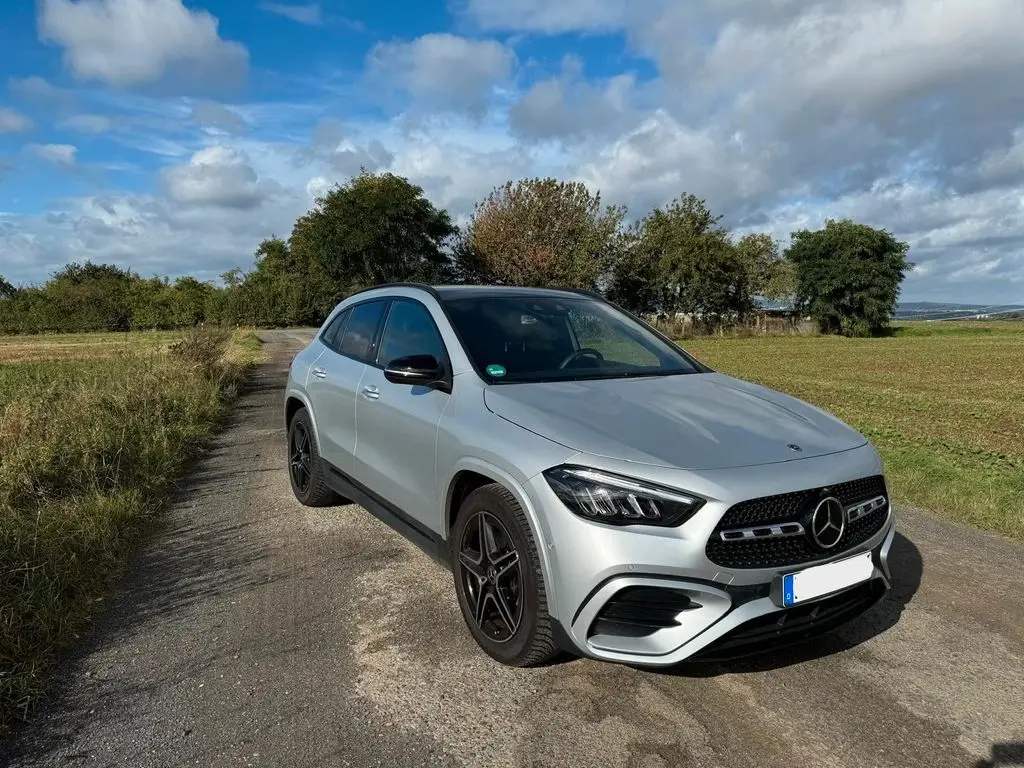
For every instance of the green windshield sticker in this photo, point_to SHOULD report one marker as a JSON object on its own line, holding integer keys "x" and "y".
{"x": 495, "y": 370}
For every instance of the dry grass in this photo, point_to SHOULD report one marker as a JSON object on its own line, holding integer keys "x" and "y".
{"x": 83, "y": 346}
{"x": 94, "y": 432}
{"x": 943, "y": 402}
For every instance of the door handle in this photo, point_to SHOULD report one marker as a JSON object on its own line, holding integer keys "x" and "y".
{"x": 320, "y": 373}
{"x": 370, "y": 392}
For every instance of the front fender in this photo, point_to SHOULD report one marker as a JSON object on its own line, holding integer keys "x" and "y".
{"x": 538, "y": 526}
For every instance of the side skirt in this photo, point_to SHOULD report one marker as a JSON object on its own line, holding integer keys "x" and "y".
{"x": 428, "y": 541}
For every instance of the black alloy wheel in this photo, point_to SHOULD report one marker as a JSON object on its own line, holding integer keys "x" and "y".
{"x": 499, "y": 581}
{"x": 305, "y": 469}
{"x": 299, "y": 463}
{"x": 489, "y": 566}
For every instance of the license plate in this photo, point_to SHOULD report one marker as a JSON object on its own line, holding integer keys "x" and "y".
{"x": 825, "y": 579}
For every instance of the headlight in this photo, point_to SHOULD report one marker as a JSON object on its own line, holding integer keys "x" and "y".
{"x": 618, "y": 500}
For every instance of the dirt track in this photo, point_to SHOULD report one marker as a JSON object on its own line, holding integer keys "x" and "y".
{"x": 252, "y": 631}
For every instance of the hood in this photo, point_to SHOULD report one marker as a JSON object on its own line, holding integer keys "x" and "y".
{"x": 691, "y": 421}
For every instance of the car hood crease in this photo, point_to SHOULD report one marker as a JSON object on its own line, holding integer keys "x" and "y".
{"x": 694, "y": 421}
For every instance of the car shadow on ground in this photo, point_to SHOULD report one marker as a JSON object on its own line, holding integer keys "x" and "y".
{"x": 1003, "y": 755}
{"x": 907, "y": 568}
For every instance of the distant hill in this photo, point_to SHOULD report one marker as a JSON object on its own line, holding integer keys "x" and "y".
{"x": 932, "y": 310}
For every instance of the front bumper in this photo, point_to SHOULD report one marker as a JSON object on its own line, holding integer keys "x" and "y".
{"x": 600, "y": 572}
{"x": 730, "y": 622}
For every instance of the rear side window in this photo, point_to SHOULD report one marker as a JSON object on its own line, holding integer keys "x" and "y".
{"x": 362, "y": 326}
{"x": 330, "y": 337}
{"x": 410, "y": 330}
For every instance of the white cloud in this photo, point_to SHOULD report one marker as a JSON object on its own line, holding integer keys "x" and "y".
{"x": 36, "y": 88}
{"x": 58, "y": 154}
{"x": 132, "y": 42}
{"x": 212, "y": 115}
{"x": 309, "y": 13}
{"x": 217, "y": 176}
{"x": 87, "y": 123}
{"x": 569, "y": 106}
{"x": 781, "y": 113}
{"x": 548, "y": 17}
{"x": 13, "y": 122}
{"x": 442, "y": 71}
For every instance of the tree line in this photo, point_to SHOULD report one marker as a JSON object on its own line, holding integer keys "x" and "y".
{"x": 380, "y": 228}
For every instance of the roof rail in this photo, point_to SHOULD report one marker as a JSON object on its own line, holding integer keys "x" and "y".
{"x": 422, "y": 286}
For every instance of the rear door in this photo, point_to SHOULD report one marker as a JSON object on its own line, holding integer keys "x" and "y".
{"x": 397, "y": 423}
{"x": 334, "y": 380}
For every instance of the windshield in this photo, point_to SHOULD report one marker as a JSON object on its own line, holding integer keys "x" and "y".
{"x": 530, "y": 338}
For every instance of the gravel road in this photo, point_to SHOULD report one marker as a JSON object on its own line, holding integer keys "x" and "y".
{"x": 253, "y": 631}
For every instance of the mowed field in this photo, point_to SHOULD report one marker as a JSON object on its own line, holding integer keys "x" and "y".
{"x": 95, "y": 429}
{"x": 943, "y": 402}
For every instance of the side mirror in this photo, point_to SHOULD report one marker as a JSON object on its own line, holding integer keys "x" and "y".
{"x": 424, "y": 370}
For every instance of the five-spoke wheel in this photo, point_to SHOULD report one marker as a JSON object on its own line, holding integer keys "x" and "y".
{"x": 305, "y": 470}
{"x": 299, "y": 457}
{"x": 490, "y": 571}
{"x": 498, "y": 579}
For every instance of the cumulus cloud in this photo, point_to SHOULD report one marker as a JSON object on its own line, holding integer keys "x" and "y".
{"x": 569, "y": 106}
{"x": 443, "y": 71}
{"x": 344, "y": 155}
{"x": 781, "y": 113}
{"x": 132, "y": 42}
{"x": 309, "y": 13}
{"x": 217, "y": 176}
{"x": 212, "y": 115}
{"x": 151, "y": 234}
{"x": 58, "y": 154}
{"x": 13, "y": 122}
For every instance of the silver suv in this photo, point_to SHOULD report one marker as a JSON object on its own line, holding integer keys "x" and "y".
{"x": 592, "y": 487}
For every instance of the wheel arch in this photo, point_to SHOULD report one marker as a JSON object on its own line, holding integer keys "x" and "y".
{"x": 293, "y": 403}
{"x": 471, "y": 474}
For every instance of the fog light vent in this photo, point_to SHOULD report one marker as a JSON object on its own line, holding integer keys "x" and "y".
{"x": 641, "y": 611}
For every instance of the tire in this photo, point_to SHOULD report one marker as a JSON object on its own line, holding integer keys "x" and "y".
{"x": 488, "y": 583}
{"x": 305, "y": 469}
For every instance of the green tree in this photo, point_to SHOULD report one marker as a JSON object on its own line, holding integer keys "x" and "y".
{"x": 849, "y": 276}
{"x": 541, "y": 232}
{"x": 768, "y": 273}
{"x": 682, "y": 260}
{"x": 7, "y": 290}
{"x": 377, "y": 228}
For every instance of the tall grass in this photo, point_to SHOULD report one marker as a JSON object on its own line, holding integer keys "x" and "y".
{"x": 89, "y": 450}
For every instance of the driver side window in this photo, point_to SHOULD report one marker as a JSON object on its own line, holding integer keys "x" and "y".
{"x": 410, "y": 330}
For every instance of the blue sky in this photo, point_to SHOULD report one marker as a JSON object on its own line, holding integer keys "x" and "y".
{"x": 172, "y": 137}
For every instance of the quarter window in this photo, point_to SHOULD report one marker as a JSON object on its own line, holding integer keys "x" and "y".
{"x": 330, "y": 336}
{"x": 362, "y": 328}
{"x": 410, "y": 330}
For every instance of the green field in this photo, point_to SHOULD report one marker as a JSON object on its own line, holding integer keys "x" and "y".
{"x": 943, "y": 402}
{"x": 94, "y": 431}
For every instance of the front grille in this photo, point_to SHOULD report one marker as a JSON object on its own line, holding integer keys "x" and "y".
{"x": 793, "y": 625}
{"x": 640, "y": 611}
{"x": 775, "y": 552}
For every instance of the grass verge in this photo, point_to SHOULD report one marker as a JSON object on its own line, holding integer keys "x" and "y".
{"x": 94, "y": 434}
{"x": 942, "y": 402}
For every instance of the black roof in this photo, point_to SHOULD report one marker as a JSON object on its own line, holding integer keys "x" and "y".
{"x": 451, "y": 292}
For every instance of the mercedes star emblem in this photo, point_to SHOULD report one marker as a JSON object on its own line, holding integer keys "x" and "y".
{"x": 828, "y": 523}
